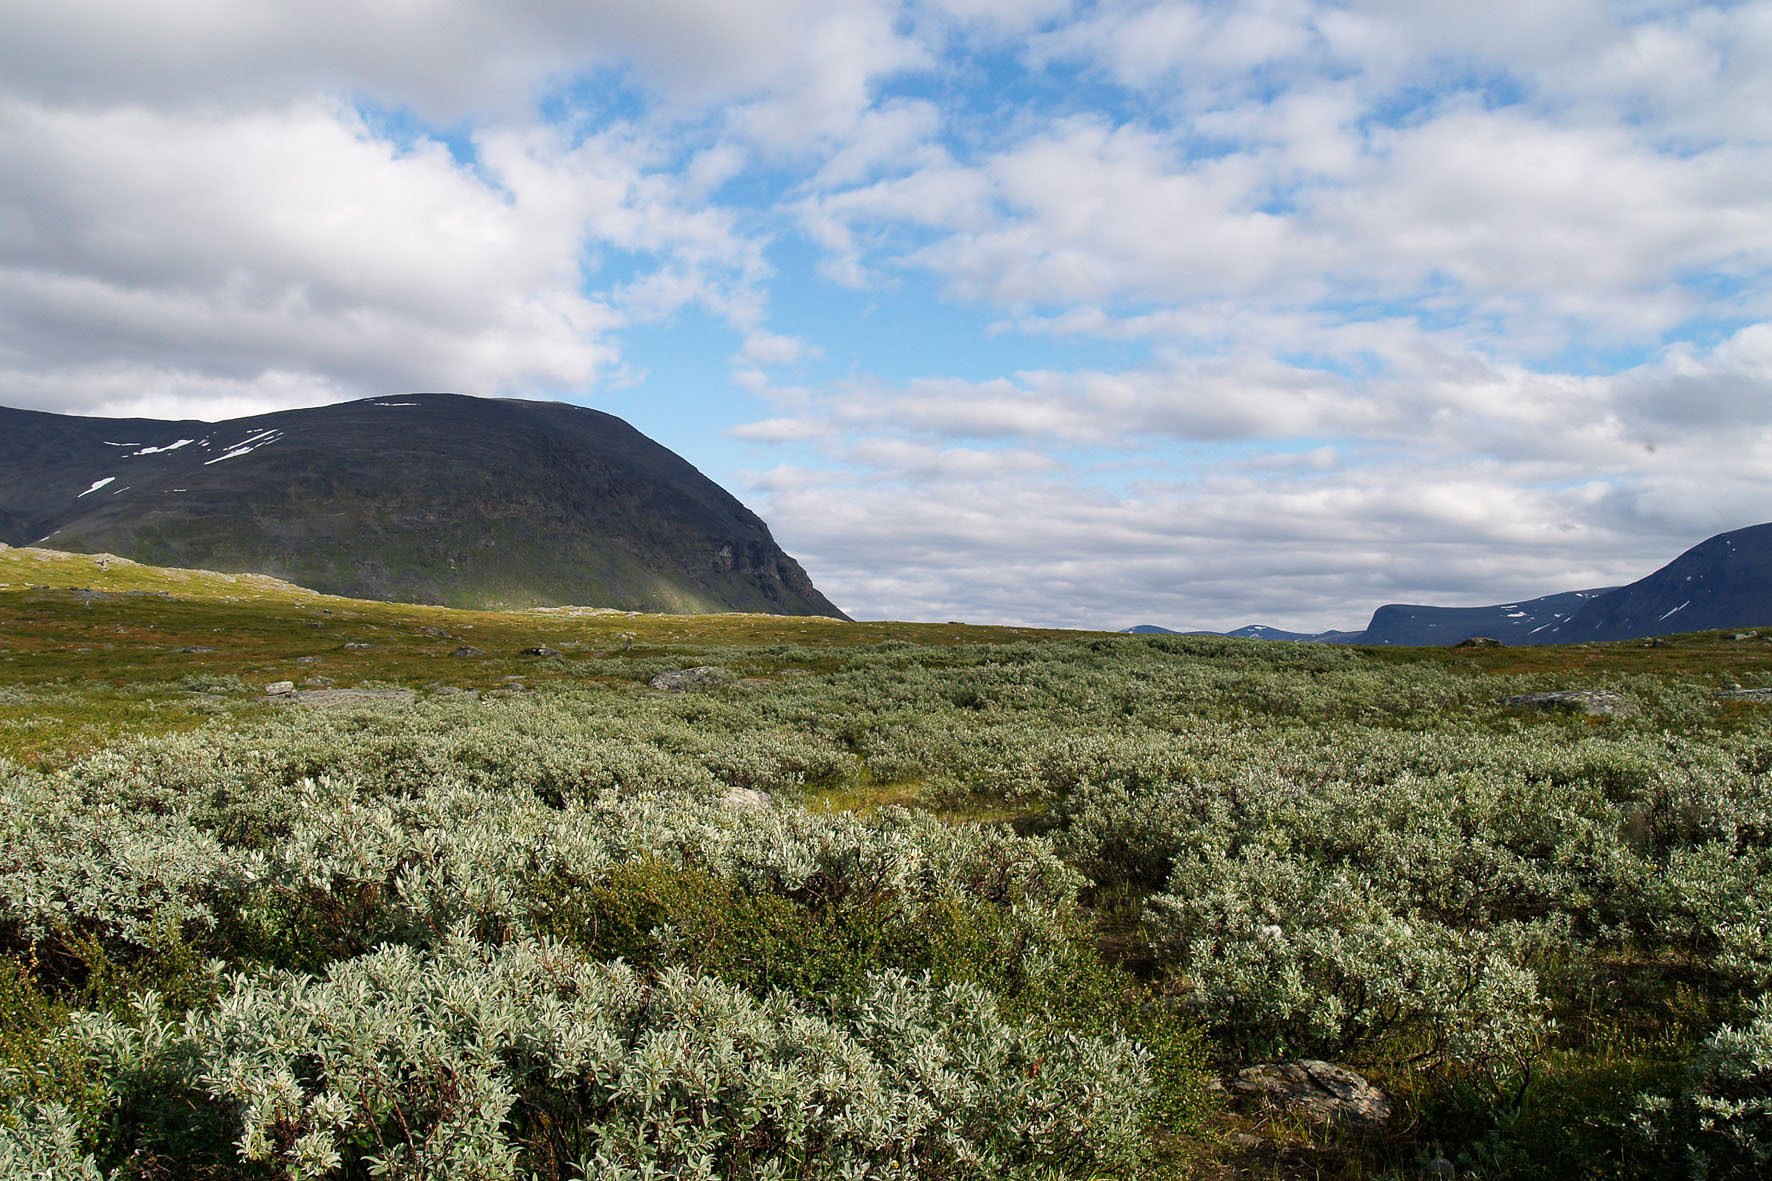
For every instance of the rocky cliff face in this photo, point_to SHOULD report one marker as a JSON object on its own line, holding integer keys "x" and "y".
{"x": 420, "y": 497}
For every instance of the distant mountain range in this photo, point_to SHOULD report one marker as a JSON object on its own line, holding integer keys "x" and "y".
{"x": 1722, "y": 582}
{"x": 470, "y": 502}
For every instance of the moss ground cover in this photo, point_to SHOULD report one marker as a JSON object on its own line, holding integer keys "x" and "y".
{"x": 1005, "y": 903}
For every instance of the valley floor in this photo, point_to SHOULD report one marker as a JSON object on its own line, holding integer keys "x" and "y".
{"x": 868, "y": 900}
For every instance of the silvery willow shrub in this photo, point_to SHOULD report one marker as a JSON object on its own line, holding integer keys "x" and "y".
{"x": 43, "y": 1143}
{"x": 1722, "y": 1121}
{"x": 477, "y": 1062}
{"x": 355, "y": 871}
{"x": 74, "y": 865}
{"x": 1298, "y": 957}
{"x": 1314, "y": 916}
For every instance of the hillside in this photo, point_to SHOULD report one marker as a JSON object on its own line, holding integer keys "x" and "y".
{"x": 1722, "y": 582}
{"x": 1523, "y": 622}
{"x": 418, "y": 498}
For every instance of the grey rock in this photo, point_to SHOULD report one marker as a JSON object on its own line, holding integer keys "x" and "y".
{"x": 541, "y": 650}
{"x": 196, "y": 648}
{"x": 467, "y": 650}
{"x": 1595, "y": 703}
{"x": 279, "y": 688}
{"x": 357, "y": 646}
{"x": 1322, "y": 1092}
{"x": 749, "y": 799}
{"x": 684, "y": 679}
{"x": 1740, "y": 694}
{"x": 307, "y": 660}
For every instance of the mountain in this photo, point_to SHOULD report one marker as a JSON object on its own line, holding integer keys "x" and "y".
{"x": 1251, "y": 631}
{"x": 1723, "y": 581}
{"x": 471, "y": 502}
{"x": 1524, "y": 622}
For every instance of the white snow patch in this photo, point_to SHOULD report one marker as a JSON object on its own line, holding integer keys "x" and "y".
{"x": 1681, "y": 607}
{"x": 247, "y": 446}
{"x": 394, "y": 403}
{"x": 96, "y": 485}
{"x": 108, "y": 443}
{"x": 1516, "y": 615}
{"x": 158, "y": 450}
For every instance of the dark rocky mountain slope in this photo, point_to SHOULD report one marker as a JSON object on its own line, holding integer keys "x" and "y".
{"x": 1523, "y": 622}
{"x": 1723, "y": 581}
{"x": 440, "y": 498}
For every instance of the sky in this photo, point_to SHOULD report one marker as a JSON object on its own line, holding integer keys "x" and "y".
{"x": 1010, "y": 311}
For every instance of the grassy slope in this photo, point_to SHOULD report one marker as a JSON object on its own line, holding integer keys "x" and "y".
{"x": 110, "y": 638}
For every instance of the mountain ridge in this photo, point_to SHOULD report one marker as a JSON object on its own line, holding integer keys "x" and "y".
{"x": 445, "y": 498}
{"x": 1724, "y": 581}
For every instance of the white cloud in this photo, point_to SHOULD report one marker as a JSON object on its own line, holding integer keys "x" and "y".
{"x": 294, "y": 241}
{"x": 448, "y": 59}
{"x": 1362, "y": 266}
{"x": 1470, "y": 482}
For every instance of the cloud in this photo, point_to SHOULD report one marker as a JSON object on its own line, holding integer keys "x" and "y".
{"x": 1493, "y": 482}
{"x": 447, "y": 59}
{"x": 296, "y": 241}
{"x": 1285, "y": 308}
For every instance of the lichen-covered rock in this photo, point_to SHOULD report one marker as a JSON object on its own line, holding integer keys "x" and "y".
{"x": 1322, "y": 1092}
{"x": 684, "y": 679}
{"x": 748, "y": 798}
{"x": 1595, "y": 703}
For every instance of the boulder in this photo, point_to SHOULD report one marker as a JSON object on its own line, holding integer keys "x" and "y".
{"x": 279, "y": 688}
{"x": 1322, "y": 1092}
{"x": 467, "y": 650}
{"x": 541, "y": 650}
{"x": 1595, "y": 703}
{"x": 1740, "y": 694}
{"x": 749, "y": 799}
{"x": 684, "y": 679}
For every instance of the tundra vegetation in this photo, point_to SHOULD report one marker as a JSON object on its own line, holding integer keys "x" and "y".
{"x": 878, "y": 901}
